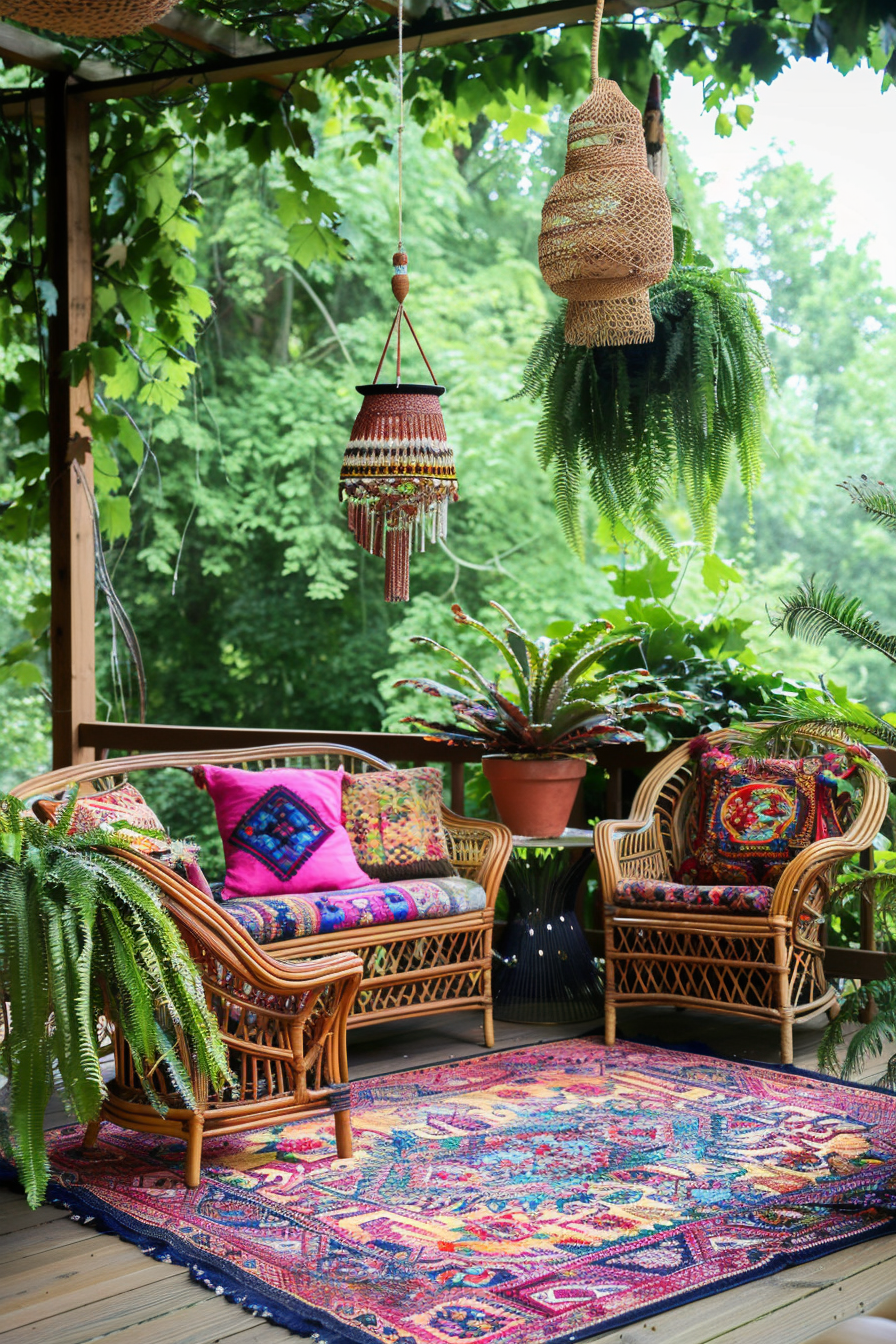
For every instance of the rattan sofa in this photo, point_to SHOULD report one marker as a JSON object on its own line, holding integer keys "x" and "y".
{"x": 435, "y": 965}
{"x": 768, "y": 966}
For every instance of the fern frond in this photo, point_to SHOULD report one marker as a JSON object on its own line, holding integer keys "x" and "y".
{"x": 642, "y": 421}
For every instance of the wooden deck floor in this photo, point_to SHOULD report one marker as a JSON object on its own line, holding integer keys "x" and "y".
{"x": 61, "y": 1283}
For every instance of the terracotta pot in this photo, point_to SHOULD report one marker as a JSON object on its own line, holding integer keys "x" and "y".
{"x": 534, "y": 797}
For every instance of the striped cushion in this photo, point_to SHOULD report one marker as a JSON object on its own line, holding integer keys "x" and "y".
{"x": 273, "y": 919}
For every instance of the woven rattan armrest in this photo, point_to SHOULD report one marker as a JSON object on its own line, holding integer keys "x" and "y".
{"x": 201, "y": 919}
{"x": 647, "y": 856}
{"x": 479, "y": 850}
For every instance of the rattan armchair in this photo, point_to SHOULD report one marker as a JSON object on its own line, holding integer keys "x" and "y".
{"x": 769, "y": 966}
{"x": 284, "y": 1009}
{"x": 284, "y": 1025}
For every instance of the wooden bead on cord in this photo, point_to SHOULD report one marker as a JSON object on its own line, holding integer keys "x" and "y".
{"x": 400, "y": 282}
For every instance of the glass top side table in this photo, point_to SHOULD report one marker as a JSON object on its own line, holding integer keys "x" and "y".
{"x": 545, "y": 971}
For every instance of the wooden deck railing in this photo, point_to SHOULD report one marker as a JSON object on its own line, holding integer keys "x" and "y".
{"x": 622, "y": 764}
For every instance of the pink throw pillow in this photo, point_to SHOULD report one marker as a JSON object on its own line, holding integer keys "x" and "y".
{"x": 282, "y": 831}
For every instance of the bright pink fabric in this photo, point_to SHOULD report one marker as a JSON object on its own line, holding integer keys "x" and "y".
{"x": 282, "y": 831}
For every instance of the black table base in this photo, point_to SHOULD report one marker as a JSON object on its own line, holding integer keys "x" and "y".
{"x": 544, "y": 969}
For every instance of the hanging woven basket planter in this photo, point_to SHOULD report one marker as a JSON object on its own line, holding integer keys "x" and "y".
{"x": 398, "y": 473}
{"x": 87, "y": 18}
{"x": 607, "y": 224}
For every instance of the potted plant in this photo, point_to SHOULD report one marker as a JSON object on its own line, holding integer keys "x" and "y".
{"x": 537, "y": 738}
{"x": 634, "y": 420}
{"x": 83, "y": 936}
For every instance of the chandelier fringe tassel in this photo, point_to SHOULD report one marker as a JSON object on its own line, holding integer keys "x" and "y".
{"x": 398, "y": 474}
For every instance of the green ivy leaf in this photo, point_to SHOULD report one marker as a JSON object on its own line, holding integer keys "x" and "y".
{"x": 717, "y": 573}
{"x": 115, "y": 516}
{"x": 32, "y": 426}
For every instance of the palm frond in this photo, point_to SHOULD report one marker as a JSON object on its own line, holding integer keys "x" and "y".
{"x": 875, "y": 497}
{"x": 803, "y": 717}
{"x": 813, "y": 613}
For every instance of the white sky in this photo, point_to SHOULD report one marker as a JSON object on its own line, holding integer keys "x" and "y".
{"x": 840, "y": 126}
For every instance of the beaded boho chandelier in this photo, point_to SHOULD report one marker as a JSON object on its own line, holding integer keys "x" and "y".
{"x": 398, "y": 473}
{"x": 606, "y": 232}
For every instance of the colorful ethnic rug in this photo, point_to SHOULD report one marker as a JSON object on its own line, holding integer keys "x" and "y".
{"x": 530, "y": 1197}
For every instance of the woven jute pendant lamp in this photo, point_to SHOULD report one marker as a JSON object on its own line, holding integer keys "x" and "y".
{"x": 87, "y": 18}
{"x": 398, "y": 473}
{"x": 606, "y": 229}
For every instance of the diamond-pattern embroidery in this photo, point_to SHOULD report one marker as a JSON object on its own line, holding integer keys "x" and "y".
{"x": 282, "y": 831}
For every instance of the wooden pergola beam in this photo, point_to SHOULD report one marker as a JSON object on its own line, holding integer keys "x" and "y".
{"x": 418, "y": 36}
{"x": 202, "y": 34}
{"x": 20, "y": 47}
{"x": 194, "y": 30}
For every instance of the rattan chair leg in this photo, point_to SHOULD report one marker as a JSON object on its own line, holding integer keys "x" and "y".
{"x": 343, "y": 1124}
{"x": 787, "y": 1040}
{"x": 609, "y": 1021}
{"x": 193, "y": 1161}
{"x": 91, "y": 1134}
{"x": 488, "y": 1027}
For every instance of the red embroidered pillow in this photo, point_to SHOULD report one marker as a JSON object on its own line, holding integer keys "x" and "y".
{"x": 751, "y": 817}
{"x": 127, "y": 806}
{"x": 394, "y": 823}
{"x": 282, "y": 831}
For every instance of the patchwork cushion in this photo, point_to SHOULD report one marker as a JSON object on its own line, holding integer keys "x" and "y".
{"x": 281, "y": 830}
{"x": 751, "y": 817}
{"x": 273, "y": 919}
{"x": 119, "y": 810}
{"x": 647, "y": 893}
{"x": 394, "y": 822}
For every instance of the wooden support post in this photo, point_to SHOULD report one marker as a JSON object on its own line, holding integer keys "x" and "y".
{"x": 457, "y": 787}
{"x": 73, "y": 602}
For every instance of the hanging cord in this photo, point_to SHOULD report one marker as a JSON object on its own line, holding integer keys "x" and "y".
{"x": 400, "y": 283}
{"x": 401, "y": 118}
{"x": 595, "y": 44}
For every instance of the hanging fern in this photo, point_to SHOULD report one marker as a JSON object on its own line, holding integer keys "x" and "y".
{"x": 641, "y": 421}
{"x": 84, "y": 935}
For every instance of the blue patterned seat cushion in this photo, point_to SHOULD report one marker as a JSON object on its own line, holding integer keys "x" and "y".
{"x": 649, "y": 893}
{"x": 274, "y": 919}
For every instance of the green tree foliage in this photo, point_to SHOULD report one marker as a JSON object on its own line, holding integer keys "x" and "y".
{"x": 84, "y": 935}
{"x": 252, "y": 602}
{"x": 834, "y": 347}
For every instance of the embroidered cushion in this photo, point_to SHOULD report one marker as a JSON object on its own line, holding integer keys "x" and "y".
{"x": 274, "y": 918}
{"x": 116, "y": 811}
{"x": 652, "y": 892}
{"x": 394, "y": 822}
{"x": 281, "y": 830}
{"x": 751, "y": 817}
